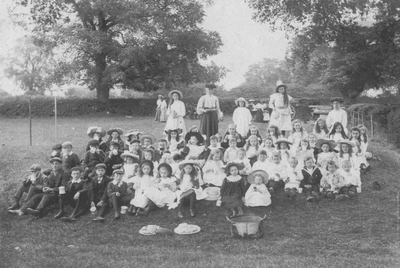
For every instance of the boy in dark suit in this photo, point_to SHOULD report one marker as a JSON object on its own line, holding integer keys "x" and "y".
{"x": 118, "y": 193}
{"x": 75, "y": 195}
{"x": 92, "y": 157}
{"x": 69, "y": 158}
{"x": 98, "y": 191}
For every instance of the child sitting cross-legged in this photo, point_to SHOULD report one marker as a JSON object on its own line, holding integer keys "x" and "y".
{"x": 352, "y": 180}
{"x": 189, "y": 186}
{"x": 332, "y": 182}
{"x": 311, "y": 179}
{"x": 295, "y": 176}
{"x": 257, "y": 195}
{"x": 233, "y": 190}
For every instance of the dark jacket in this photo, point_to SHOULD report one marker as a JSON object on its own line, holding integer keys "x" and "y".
{"x": 82, "y": 187}
{"x": 311, "y": 179}
{"x": 38, "y": 183}
{"x": 112, "y": 160}
{"x": 92, "y": 159}
{"x": 112, "y": 189}
{"x": 57, "y": 179}
{"x": 240, "y": 142}
{"x": 98, "y": 192}
{"x": 70, "y": 161}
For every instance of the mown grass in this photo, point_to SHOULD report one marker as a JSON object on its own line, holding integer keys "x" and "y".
{"x": 358, "y": 233}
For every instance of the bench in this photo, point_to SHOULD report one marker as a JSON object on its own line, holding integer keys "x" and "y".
{"x": 321, "y": 111}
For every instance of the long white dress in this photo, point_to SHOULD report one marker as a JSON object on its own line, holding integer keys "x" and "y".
{"x": 142, "y": 183}
{"x": 257, "y": 196}
{"x": 283, "y": 122}
{"x": 164, "y": 193}
{"x": 213, "y": 173}
{"x": 177, "y": 108}
{"x": 242, "y": 119}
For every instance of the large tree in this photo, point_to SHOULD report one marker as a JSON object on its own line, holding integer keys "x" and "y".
{"x": 348, "y": 45}
{"x": 138, "y": 44}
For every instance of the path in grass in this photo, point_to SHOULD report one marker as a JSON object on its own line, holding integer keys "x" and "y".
{"x": 357, "y": 233}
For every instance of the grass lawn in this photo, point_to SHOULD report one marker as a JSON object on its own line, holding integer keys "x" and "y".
{"x": 358, "y": 233}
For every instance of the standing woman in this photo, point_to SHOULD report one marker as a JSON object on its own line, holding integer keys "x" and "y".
{"x": 163, "y": 107}
{"x": 176, "y": 111}
{"x": 241, "y": 117}
{"x": 158, "y": 109}
{"x": 209, "y": 111}
{"x": 280, "y": 102}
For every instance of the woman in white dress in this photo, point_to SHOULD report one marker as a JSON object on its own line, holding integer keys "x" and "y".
{"x": 280, "y": 104}
{"x": 175, "y": 112}
{"x": 242, "y": 117}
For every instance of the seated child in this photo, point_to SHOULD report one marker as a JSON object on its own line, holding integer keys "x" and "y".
{"x": 143, "y": 180}
{"x": 311, "y": 180}
{"x": 283, "y": 147}
{"x": 147, "y": 141}
{"x": 230, "y": 134}
{"x": 164, "y": 192}
{"x": 231, "y": 153}
{"x": 312, "y": 139}
{"x": 332, "y": 182}
{"x": 261, "y": 163}
{"x": 134, "y": 147}
{"x": 189, "y": 187}
{"x": 257, "y": 195}
{"x": 76, "y": 194}
{"x": 114, "y": 136}
{"x": 133, "y": 134}
{"x": 298, "y": 134}
{"x": 194, "y": 147}
{"x": 98, "y": 191}
{"x": 273, "y": 133}
{"x": 295, "y": 176}
{"x": 130, "y": 167}
{"x": 244, "y": 163}
{"x": 148, "y": 154}
{"x": 346, "y": 148}
{"x": 304, "y": 150}
{"x": 213, "y": 145}
{"x": 352, "y": 180}
{"x": 56, "y": 150}
{"x": 113, "y": 158}
{"x": 97, "y": 133}
{"x": 320, "y": 129}
{"x": 338, "y": 132}
{"x": 326, "y": 154}
{"x": 213, "y": 173}
{"x": 268, "y": 146}
{"x": 162, "y": 148}
{"x": 92, "y": 157}
{"x": 233, "y": 190}
{"x": 277, "y": 173}
{"x": 69, "y": 158}
{"x": 253, "y": 130}
{"x": 118, "y": 193}
{"x": 359, "y": 153}
{"x": 176, "y": 143}
{"x": 33, "y": 184}
{"x": 252, "y": 147}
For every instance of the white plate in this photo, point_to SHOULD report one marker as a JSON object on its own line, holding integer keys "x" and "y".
{"x": 195, "y": 230}
{"x": 212, "y": 197}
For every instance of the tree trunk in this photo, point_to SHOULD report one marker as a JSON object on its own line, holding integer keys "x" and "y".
{"x": 103, "y": 93}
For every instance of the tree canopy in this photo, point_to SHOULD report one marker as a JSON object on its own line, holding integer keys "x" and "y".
{"x": 138, "y": 44}
{"x": 347, "y": 45}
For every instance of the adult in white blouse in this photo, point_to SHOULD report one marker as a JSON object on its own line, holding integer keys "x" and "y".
{"x": 280, "y": 104}
{"x": 176, "y": 111}
{"x": 337, "y": 114}
{"x": 209, "y": 111}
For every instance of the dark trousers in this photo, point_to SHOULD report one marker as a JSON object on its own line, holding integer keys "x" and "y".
{"x": 40, "y": 201}
{"x": 314, "y": 188}
{"x": 117, "y": 201}
{"x": 30, "y": 190}
{"x": 275, "y": 184}
{"x": 191, "y": 198}
{"x": 352, "y": 190}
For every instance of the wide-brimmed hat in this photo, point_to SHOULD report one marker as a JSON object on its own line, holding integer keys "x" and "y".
{"x": 188, "y": 162}
{"x": 338, "y": 99}
{"x": 199, "y": 137}
{"x": 177, "y": 130}
{"x": 147, "y": 162}
{"x": 35, "y": 167}
{"x": 115, "y": 129}
{"x": 283, "y": 140}
{"x": 66, "y": 144}
{"x": 332, "y": 144}
{"x": 280, "y": 84}
{"x": 263, "y": 174}
{"x": 229, "y": 165}
{"x": 56, "y": 159}
{"x": 167, "y": 166}
{"x": 350, "y": 143}
{"x": 134, "y": 141}
{"x": 147, "y": 136}
{"x": 101, "y": 165}
{"x": 177, "y": 92}
{"x": 92, "y": 130}
{"x": 128, "y": 154}
{"x": 134, "y": 132}
{"x": 241, "y": 99}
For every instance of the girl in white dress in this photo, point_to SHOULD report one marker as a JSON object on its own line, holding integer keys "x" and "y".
{"x": 143, "y": 180}
{"x": 164, "y": 192}
{"x": 130, "y": 167}
{"x": 327, "y": 154}
{"x": 280, "y": 103}
{"x": 148, "y": 154}
{"x": 189, "y": 186}
{"x": 295, "y": 176}
{"x": 193, "y": 147}
{"x": 257, "y": 195}
{"x": 175, "y": 112}
{"x": 304, "y": 150}
{"x": 213, "y": 173}
{"x": 253, "y": 130}
{"x": 277, "y": 172}
{"x": 268, "y": 146}
{"x": 282, "y": 146}
{"x": 298, "y": 134}
{"x": 242, "y": 117}
{"x": 274, "y": 133}
{"x": 320, "y": 129}
{"x": 338, "y": 132}
{"x": 252, "y": 148}
{"x": 346, "y": 152}
{"x": 245, "y": 166}
{"x": 360, "y": 155}
{"x": 175, "y": 141}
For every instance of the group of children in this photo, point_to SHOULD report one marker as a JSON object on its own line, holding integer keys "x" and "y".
{"x": 142, "y": 174}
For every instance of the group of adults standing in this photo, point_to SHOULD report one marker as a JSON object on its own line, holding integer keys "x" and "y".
{"x": 210, "y": 113}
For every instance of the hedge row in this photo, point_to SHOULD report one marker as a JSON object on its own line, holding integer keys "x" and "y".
{"x": 42, "y": 107}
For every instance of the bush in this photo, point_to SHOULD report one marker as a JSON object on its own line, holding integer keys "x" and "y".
{"x": 44, "y": 106}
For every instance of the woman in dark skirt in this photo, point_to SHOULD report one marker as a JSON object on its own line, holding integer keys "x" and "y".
{"x": 209, "y": 111}
{"x": 260, "y": 113}
{"x": 233, "y": 190}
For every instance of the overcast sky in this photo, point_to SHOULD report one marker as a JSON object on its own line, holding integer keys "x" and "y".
{"x": 245, "y": 41}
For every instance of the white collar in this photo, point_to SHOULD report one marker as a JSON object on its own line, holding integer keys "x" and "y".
{"x": 234, "y": 178}
{"x": 76, "y": 181}
{"x": 116, "y": 183}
